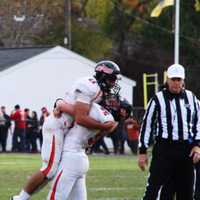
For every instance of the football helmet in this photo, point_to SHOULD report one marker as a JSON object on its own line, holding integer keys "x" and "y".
{"x": 126, "y": 105}
{"x": 106, "y": 74}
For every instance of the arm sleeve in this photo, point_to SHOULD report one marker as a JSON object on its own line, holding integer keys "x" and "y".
{"x": 83, "y": 97}
{"x": 86, "y": 91}
{"x": 146, "y": 128}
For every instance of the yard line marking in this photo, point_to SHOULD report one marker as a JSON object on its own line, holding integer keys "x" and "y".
{"x": 113, "y": 189}
{"x": 113, "y": 198}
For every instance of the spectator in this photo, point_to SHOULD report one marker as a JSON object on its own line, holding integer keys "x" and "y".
{"x": 44, "y": 114}
{"x": 27, "y": 130}
{"x": 124, "y": 111}
{"x": 33, "y": 131}
{"x": 18, "y": 140}
{"x": 132, "y": 128}
{"x": 121, "y": 131}
{"x": 4, "y": 126}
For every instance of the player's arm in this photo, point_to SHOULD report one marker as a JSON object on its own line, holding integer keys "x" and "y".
{"x": 63, "y": 106}
{"x": 80, "y": 111}
{"x": 82, "y": 118}
{"x": 99, "y": 135}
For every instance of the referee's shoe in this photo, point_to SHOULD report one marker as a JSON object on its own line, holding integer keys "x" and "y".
{"x": 15, "y": 198}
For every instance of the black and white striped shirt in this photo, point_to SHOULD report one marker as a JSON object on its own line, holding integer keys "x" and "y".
{"x": 171, "y": 117}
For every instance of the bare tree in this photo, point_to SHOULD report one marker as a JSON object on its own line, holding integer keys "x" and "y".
{"x": 22, "y": 20}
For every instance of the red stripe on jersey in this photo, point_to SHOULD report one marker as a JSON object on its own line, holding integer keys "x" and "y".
{"x": 55, "y": 186}
{"x": 52, "y": 156}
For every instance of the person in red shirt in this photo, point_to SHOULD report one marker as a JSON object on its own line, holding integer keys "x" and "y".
{"x": 19, "y": 137}
{"x": 132, "y": 127}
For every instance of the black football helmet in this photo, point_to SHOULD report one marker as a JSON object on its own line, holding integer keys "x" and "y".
{"x": 107, "y": 75}
{"x": 126, "y": 105}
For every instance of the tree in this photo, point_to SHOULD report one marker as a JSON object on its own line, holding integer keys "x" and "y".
{"x": 22, "y": 20}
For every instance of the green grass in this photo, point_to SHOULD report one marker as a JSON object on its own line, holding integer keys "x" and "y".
{"x": 109, "y": 177}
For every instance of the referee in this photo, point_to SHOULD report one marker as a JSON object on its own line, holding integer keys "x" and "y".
{"x": 172, "y": 118}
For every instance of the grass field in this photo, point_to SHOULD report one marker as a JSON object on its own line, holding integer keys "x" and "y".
{"x": 109, "y": 177}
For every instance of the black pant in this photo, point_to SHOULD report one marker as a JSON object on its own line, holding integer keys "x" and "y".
{"x": 115, "y": 141}
{"x": 197, "y": 185}
{"x": 39, "y": 135}
{"x": 31, "y": 136}
{"x": 133, "y": 144}
{"x": 170, "y": 160}
{"x": 19, "y": 140}
{"x": 168, "y": 190}
{"x": 3, "y": 137}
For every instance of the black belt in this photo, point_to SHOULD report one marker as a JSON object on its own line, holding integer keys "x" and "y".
{"x": 175, "y": 142}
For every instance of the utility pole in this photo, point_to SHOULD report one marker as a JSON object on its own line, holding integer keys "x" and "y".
{"x": 176, "y": 34}
{"x": 67, "y": 25}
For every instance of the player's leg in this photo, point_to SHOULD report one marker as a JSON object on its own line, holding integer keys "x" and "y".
{"x": 62, "y": 185}
{"x": 79, "y": 191}
{"x": 73, "y": 166}
{"x": 51, "y": 154}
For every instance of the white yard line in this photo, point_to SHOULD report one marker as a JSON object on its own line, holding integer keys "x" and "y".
{"x": 112, "y": 198}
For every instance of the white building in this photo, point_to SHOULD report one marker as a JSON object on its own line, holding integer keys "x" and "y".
{"x": 41, "y": 79}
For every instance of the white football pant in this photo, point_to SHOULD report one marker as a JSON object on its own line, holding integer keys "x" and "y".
{"x": 51, "y": 151}
{"x": 70, "y": 180}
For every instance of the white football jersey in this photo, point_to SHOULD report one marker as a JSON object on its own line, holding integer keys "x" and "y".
{"x": 78, "y": 135}
{"x": 85, "y": 90}
{"x": 52, "y": 123}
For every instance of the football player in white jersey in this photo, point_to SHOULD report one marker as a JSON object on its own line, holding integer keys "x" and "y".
{"x": 69, "y": 183}
{"x": 77, "y": 104}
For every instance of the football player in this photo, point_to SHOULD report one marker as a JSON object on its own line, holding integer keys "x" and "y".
{"x": 70, "y": 181}
{"x": 75, "y": 106}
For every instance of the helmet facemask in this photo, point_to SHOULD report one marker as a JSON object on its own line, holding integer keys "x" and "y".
{"x": 107, "y": 78}
{"x": 108, "y": 82}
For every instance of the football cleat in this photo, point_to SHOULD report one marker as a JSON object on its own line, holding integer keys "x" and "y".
{"x": 15, "y": 198}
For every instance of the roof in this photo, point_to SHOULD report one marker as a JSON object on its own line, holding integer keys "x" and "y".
{"x": 13, "y": 56}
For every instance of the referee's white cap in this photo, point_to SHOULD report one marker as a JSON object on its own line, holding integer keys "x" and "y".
{"x": 176, "y": 71}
